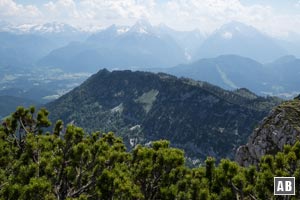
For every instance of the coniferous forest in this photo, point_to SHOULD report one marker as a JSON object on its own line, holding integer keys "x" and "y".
{"x": 41, "y": 160}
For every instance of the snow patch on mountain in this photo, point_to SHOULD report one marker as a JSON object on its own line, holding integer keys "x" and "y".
{"x": 227, "y": 35}
{"x": 122, "y": 30}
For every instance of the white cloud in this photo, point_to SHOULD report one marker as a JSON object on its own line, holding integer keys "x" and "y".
{"x": 9, "y": 10}
{"x": 98, "y": 12}
{"x": 206, "y": 15}
{"x": 60, "y": 10}
{"x": 209, "y": 14}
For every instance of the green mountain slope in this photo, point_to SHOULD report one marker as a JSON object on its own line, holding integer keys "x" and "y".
{"x": 141, "y": 107}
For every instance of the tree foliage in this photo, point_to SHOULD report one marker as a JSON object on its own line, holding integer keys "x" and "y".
{"x": 67, "y": 163}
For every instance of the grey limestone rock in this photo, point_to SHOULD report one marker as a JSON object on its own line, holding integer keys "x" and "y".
{"x": 281, "y": 127}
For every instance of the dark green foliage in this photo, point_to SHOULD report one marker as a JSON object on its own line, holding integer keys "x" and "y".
{"x": 292, "y": 110}
{"x": 65, "y": 164}
{"x": 70, "y": 164}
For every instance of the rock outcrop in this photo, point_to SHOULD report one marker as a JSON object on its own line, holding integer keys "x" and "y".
{"x": 281, "y": 127}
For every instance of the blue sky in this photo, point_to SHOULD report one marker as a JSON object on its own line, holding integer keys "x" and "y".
{"x": 275, "y": 17}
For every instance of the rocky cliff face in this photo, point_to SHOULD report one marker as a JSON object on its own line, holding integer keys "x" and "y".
{"x": 280, "y": 127}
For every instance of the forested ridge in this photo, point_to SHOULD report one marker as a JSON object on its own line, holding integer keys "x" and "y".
{"x": 67, "y": 163}
{"x": 200, "y": 118}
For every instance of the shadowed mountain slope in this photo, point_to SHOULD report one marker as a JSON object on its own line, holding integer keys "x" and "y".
{"x": 141, "y": 107}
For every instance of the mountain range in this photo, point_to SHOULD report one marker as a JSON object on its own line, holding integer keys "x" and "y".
{"x": 59, "y": 33}
{"x": 231, "y": 72}
{"x": 138, "y": 46}
{"x": 145, "y": 46}
{"x": 240, "y": 39}
{"x": 142, "y": 107}
{"x": 119, "y": 47}
{"x": 22, "y": 50}
{"x": 25, "y": 45}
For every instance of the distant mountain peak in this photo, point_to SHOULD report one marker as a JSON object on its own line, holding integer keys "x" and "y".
{"x": 142, "y": 26}
{"x": 234, "y": 27}
{"x": 241, "y": 39}
{"x": 47, "y": 28}
{"x": 53, "y": 27}
{"x": 122, "y": 29}
{"x": 117, "y": 30}
{"x": 285, "y": 59}
{"x": 227, "y": 35}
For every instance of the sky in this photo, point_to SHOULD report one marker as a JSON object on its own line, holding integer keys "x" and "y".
{"x": 279, "y": 18}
